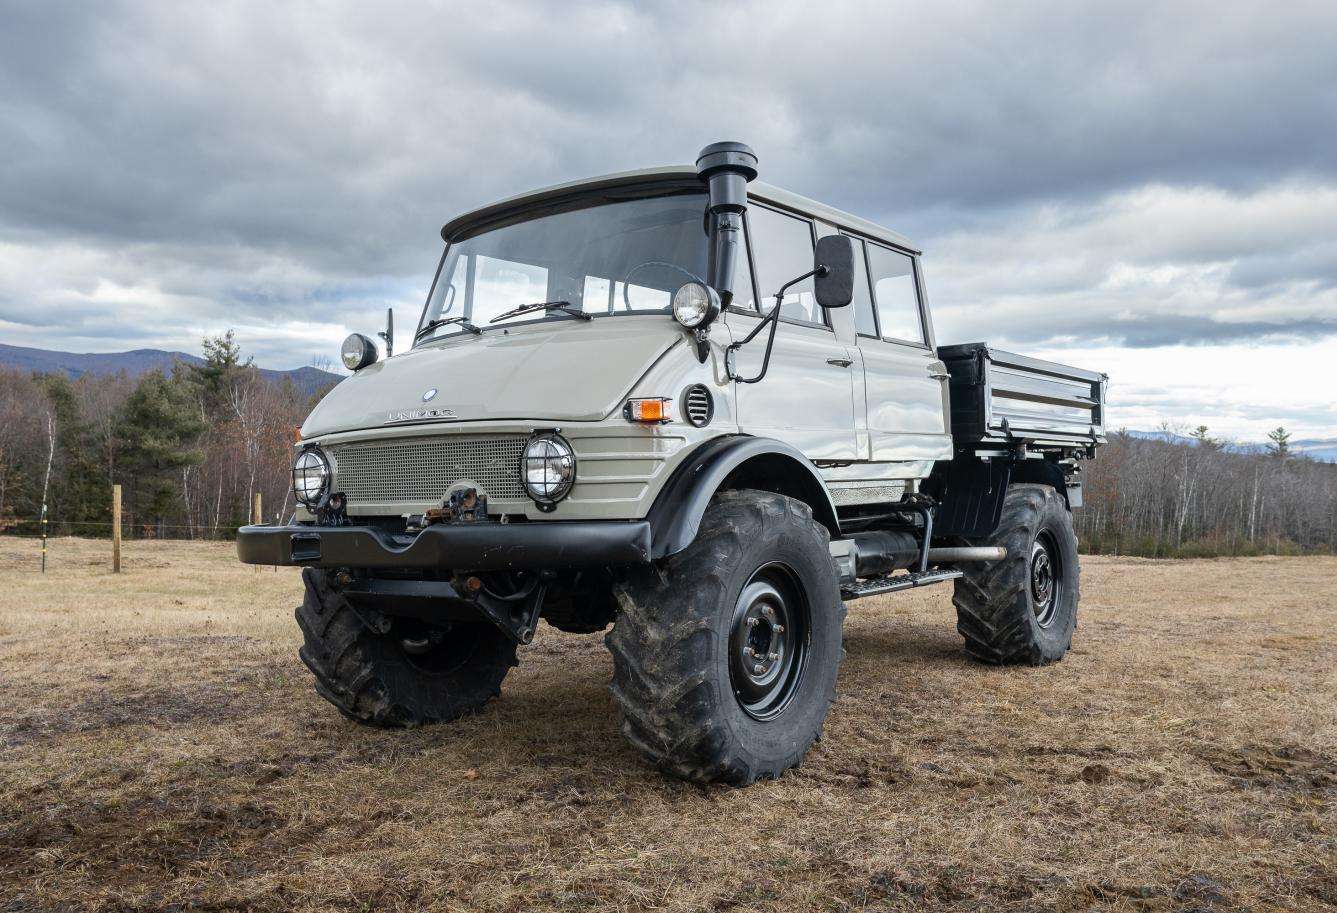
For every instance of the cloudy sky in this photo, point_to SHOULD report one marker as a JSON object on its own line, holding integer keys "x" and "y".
{"x": 1144, "y": 189}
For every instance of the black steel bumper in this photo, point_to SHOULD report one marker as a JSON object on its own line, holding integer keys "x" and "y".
{"x": 462, "y": 547}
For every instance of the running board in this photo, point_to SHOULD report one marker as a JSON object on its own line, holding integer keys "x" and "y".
{"x": 894, "y": 584}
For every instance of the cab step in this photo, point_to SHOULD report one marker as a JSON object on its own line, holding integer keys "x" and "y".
{"x": 894, "y": 583}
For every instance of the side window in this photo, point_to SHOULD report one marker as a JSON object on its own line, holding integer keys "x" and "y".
{"x": 894, "y": 291}
{"x": 865, "y": 323}
{"x": 782, "y": 249}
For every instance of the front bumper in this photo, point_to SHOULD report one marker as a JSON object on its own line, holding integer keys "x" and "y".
{"x": 461, "y": 546}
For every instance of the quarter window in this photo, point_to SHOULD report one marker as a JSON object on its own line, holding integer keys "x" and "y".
{"x": 782, "y": 248}
{"x": 864, "y": 321}
{"x": 894, "y": 291}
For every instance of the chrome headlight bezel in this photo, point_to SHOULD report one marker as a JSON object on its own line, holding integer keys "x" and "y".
{"x": 553, "y": 458}
{"x": 310, "y": 464}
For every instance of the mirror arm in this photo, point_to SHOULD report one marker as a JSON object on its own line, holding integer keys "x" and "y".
{"x": 773, "y": 318}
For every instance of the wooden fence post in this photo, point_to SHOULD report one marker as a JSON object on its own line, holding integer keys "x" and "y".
{"x": 257, "y": 516}
{"x": 116, "y": 529}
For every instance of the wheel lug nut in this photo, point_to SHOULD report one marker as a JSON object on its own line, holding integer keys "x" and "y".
{"x": 773, "y": 657}
{"x": 779, "y": 629}
{"x": 758, "y": 669}
{"x": 752, "y": 622}
{"x": 748, "y": 651}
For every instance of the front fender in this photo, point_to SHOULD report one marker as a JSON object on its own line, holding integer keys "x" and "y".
{"x": 740, "y": 461}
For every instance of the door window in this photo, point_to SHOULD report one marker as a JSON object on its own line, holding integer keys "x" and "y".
{"x": 894, "y": 291}
{"x": 782, "y": 248}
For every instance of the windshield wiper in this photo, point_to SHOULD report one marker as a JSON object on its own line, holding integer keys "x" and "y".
{"x": 562, "y": 306}
{"x": 445, "y": 322}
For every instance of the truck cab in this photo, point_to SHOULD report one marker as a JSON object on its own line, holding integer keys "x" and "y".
{"x": 675, "y": 400}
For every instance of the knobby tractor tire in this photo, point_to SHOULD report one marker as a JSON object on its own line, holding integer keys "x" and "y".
{"x": 999, "y": 607}
{"x": 672, "y": 643}
{"x": 372, "y": 679}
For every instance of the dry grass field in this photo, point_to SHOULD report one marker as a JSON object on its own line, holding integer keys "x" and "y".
{"x": 161, "y": 748}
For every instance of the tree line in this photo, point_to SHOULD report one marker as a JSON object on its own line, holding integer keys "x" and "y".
{"x": 1172, "y": 497}
{"x": 189, "y": 447}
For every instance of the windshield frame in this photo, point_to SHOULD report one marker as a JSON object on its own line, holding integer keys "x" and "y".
{"x": 587, "y": 199}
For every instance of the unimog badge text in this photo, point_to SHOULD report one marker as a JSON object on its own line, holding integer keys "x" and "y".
{"x": 417, "y": 415}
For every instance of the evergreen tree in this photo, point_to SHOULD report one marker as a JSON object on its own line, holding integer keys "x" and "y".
{"x": 1280, "y": 445}
{"x": 1200, "y": 435}
{"x": 159, "y": 426}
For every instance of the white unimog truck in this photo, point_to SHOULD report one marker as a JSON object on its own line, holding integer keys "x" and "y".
{"x": 697, "y": 408}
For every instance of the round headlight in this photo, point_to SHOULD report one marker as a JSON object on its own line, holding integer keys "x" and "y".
{"x": 548, "y": 469}
{"x": 310, "y": 477}
{"x": 357, "y": 352}
{"x": 695, "y": 304}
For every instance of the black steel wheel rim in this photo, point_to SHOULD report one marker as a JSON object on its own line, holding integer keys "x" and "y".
{"x": 768, "y": 641}
{"x": 1046, "y": 576}
{"x": 438, "y": 651}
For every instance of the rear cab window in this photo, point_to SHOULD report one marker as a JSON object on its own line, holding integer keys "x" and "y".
{"x": 895, "y": 295}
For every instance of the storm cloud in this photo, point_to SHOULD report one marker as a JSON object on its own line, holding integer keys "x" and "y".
{"x": 1146, "y": 176}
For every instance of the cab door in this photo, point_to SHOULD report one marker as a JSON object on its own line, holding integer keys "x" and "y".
{"x": 905, "y": 384}
{"x": 809, "y": 394}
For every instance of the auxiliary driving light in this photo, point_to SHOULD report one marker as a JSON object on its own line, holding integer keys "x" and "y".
{"x": 357, "y": 352}
{"x": 310, "y": 477}
{"x": 695, "y": 305}
{"x": 548, "y": 469}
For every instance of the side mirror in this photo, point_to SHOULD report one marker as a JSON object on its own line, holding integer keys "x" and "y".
{"x": 833, "y": 283}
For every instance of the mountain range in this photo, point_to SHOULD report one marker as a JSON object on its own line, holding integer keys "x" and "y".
{"x": 140, "y": 361}
{"x": 1322, "y": 449}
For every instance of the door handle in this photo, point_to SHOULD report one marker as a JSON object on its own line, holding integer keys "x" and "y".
{"x": 939, "y": 375}
{"x": 839, "y": 362}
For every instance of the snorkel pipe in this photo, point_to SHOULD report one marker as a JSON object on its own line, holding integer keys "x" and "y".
{"x": 725, "y": 168}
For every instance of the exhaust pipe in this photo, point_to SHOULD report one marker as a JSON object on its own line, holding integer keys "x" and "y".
{"x": 879, "y": 553}
{"x": 954, "y": 555}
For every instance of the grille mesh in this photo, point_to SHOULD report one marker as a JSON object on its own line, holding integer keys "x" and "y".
{"x": 699, "y": 405}
{"x": 421, "y": 469}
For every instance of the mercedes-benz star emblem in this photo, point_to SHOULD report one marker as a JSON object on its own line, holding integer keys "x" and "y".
{"x": 429, "y": 394}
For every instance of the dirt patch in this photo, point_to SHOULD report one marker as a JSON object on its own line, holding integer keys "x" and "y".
{"x": 161, "y": 748}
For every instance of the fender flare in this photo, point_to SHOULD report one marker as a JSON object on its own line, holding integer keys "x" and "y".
{"x": 676, "y": 513}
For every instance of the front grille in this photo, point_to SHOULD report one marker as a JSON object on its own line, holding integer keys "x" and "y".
{"x": 420, "y": 469}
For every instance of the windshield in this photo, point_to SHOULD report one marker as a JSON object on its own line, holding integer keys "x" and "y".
{"x": 613, "y": 258}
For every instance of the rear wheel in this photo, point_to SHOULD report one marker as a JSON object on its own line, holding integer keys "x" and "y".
{"x": 725, "y": 655}
{"x": 407, "y": 675}
{"x": 1023, "y": 609}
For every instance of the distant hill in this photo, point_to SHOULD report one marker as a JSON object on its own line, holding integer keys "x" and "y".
{"x": 1324, "y": 450}
{"x": 137, "y": 362}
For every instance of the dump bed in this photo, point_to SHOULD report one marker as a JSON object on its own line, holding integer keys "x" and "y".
{"x": 1003, "y": 398}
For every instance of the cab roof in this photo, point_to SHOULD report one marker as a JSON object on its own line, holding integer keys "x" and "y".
{"x": 677, "y": 174}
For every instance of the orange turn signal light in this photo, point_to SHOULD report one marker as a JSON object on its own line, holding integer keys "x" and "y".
{"x": 652, "y": 410}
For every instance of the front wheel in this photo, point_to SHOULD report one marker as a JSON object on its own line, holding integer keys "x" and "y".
{"x": 408, "y": 675}
{"x": 1023, "y": 609}
{"x": 725, "y": 655}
